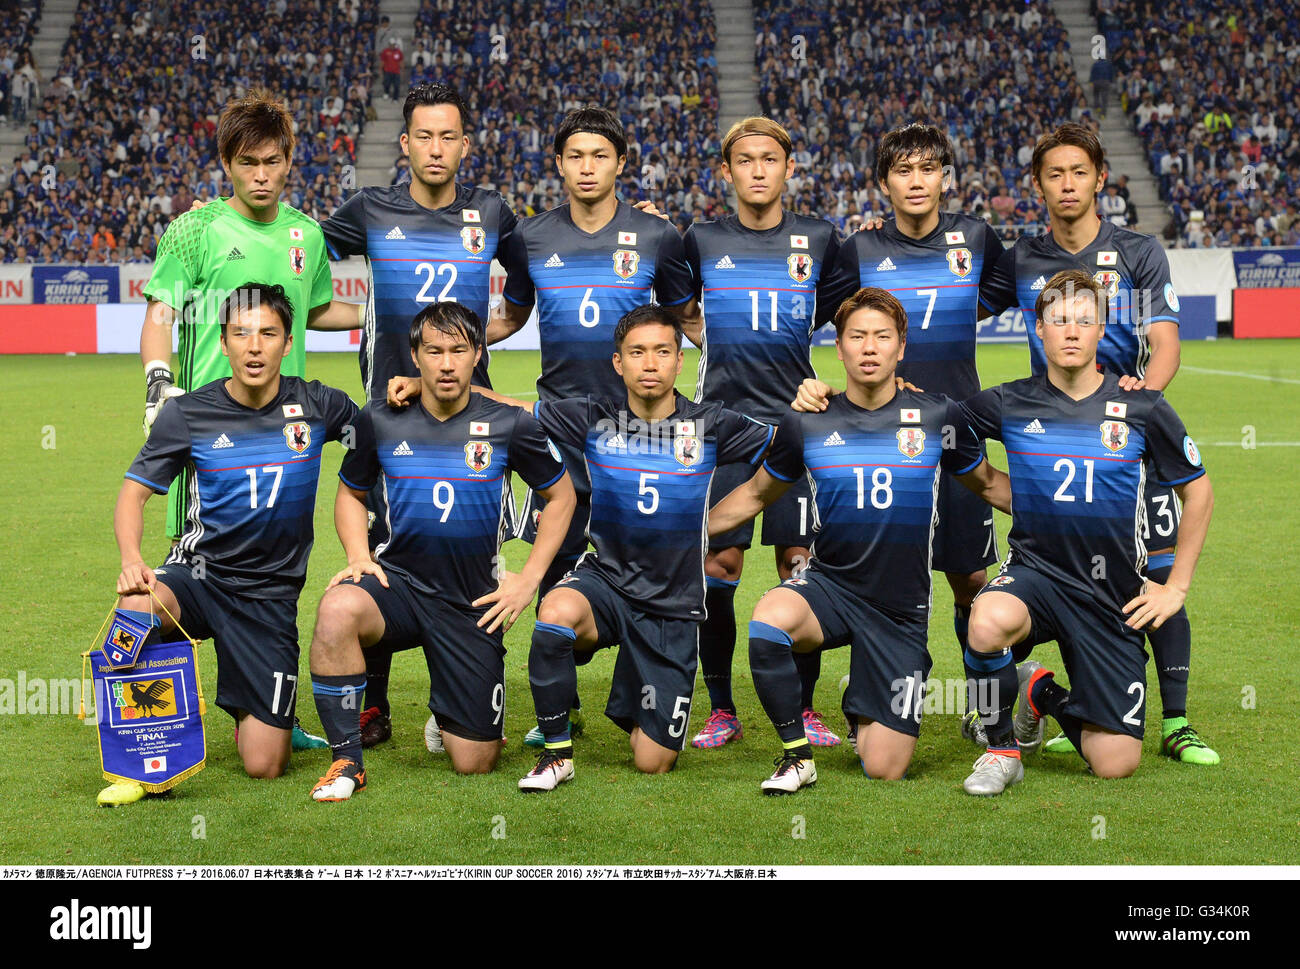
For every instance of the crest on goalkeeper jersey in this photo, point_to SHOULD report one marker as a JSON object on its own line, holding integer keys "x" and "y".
{"x": 800, "y": 265}
{"x": 473, "y": 239}
{"x": 297, "y": 259}
{"x": 959, "y": 261}
{"x": 625, "y": 263}
{"x": 298, "y": 436}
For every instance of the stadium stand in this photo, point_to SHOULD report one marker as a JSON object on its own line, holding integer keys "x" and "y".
{"x": 995, "y": 74}
{"x": 1212, "y": 89}
{"x": 123, "y": 136}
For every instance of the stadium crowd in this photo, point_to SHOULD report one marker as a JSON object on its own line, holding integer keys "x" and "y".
{"x": 1211, "y": 88}
{"x": 122, "y": 137}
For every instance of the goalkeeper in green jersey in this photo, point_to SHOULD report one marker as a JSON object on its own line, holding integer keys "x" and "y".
{"x": 208, "y": 252}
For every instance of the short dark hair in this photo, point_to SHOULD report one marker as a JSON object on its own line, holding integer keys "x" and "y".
{"x": 431, "y": 94}
{"x": 902, "y": 143}
{"x": 251, "y": 120}
{"x": 453, "y": 319}
{"x": 250, "y": 296}
{"x": 643, "y": 315}
{"x": 872, "y": 298}
{"x": 1069, "y": 283}
{"x": 595, "y": 120}
{"x": 1075, "y": 135}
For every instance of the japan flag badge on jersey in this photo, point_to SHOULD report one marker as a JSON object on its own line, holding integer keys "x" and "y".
{"x": 470, "y": 215}
{"x": 909, "y": 415}
{"x": 798, "y": 242}
{"x": 480, "y": 427}
{"x": 1108, "y": 258}
{"x": 1116, "y": 409}
{"x": 295, "y": 234}
{"x": 627, "y": 238}
{"x": 292, "y": 410}
{"x": 954, "y": 238}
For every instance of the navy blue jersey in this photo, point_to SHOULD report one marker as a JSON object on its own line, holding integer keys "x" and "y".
{"x": 937, "y": 279}
{"x": 759, "y": 291}
{"x": 1134, "y": 269}
{"x": 650, "y": 491}
{"x": 253, "y": 480}
{"x": 583, "y": 283}
{"x": 417, "y": 256}
{"x": 1078, "y": 477}
{"x": 447, "y": 488}
{"x": 875, "y": 477}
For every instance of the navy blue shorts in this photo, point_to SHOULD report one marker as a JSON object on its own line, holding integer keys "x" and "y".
{"x": 1105, "y": 659}
{"x": 1163, "y": 513}
{"x": 965, "y": 540}
{"x": 575, "y": 542}
{"x": 787, "y": 522}
{"x": 888, "y": 661}
{"x": 466, "y": 664}
{"x": 654, "y": 674}
{"x": 256, "y": 641}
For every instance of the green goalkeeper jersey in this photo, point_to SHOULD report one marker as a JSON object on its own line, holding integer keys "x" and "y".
{"x": 203, "y": 256}
{"x": 207, "y": 253}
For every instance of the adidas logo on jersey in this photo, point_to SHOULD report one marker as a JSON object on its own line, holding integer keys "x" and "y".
{"x": 1035, "y": 427}
{"x": 395, "y": 233}
{"x": 1039, "y": 283}
{"x": 616, "y": 443}
{"x": 834, "y": 440}
{"x": 221, "y": 442}
{"x": 402, "y": 450}
{"x": 886, "y": 265}
{"x": 724, "y": 263}
{"x": 555, "y": 262}
{"x": 234, "y": 254}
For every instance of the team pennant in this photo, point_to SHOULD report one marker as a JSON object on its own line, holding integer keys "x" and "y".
{"x": 1116, "y": 409}
{"x": 479, "y": 427}
{"x": 126, "y": 637}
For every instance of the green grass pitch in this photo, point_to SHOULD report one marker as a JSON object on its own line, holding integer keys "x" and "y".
{"x": 72, "y": 425}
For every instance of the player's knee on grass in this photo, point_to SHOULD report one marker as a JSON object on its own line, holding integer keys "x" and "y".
{"x": 997, "y": 620}
{"x": 966, "y": 587}
{"x": 263, "y": 749}
{"x": 1110, "y": 755}
{"x": 648, "y": 756}
{"x": 725, "y": 563}
{"x": 885, "y": 753}
{"x": 471, "y": 756}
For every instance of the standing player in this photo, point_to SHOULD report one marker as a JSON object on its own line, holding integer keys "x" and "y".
{"x": 585, "y": 264}
{"x": 758, "y": 275}
{"x": 875, "y": 457}
{"x": 933, "y": 262}
{"x": 1141, "y": 339}
{"x": 253, "y": 445}
{"x": 427, "y": 241}
{"x": 1079, "y": 451}
{"x": 207, "y": 252}
{"x": 445, "y": 467}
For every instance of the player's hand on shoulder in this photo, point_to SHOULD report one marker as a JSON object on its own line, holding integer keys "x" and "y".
{"x": 136, "y": 578}
{"x": 512, "y": 596}
{"x": 403, "y": 390}
{"x": 355, "y": 570}
{"x": 813, "y": 396}
{"x": 1154, "y": 605}
{"x": 871, "y": 224}
{"x": 902, "y": 384}
{"x": 649, "y": 208}
{"x": 1129, "y": 382}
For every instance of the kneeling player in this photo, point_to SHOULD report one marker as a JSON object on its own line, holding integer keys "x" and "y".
{"x": 874, "y": 457}
{"x": 1076, "y": 446}
{"x": 252, "y": 444}
{"x": 445, "y": 465}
